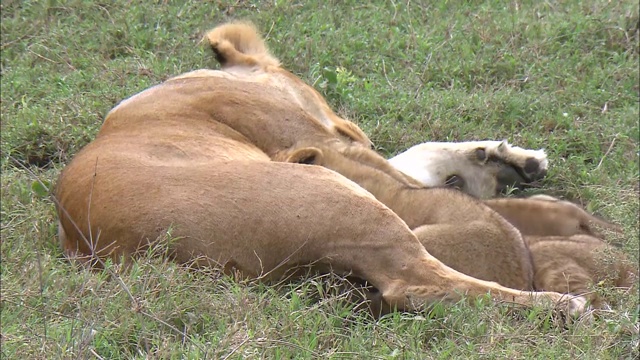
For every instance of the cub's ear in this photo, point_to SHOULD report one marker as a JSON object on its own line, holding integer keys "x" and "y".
{"x": 307, "y": 155}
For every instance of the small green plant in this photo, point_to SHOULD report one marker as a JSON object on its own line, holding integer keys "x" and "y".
{"x": 336, "y": 83}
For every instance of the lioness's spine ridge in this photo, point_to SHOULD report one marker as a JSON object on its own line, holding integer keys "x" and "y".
{"x": 240, "y": 43}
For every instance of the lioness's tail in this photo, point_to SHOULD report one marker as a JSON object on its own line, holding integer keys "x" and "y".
{"x": 239, "y": 43}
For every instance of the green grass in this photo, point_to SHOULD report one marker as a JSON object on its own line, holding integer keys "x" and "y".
{"x": 558, "y": 75}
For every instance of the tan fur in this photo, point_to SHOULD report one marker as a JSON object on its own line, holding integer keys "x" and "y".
{"x": 577, "y": 263}
{"x": 240, "y": 44}
{"x": 553, "y": 217}
{"x": 450, "y": 225}
{"x": 193, "y": 155}
{"x": 562, "y": 263}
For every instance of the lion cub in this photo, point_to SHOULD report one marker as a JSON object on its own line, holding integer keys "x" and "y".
{"x": 576, "y": 264}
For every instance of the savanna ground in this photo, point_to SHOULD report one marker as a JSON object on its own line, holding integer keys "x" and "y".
{"x": 559, "y": 75}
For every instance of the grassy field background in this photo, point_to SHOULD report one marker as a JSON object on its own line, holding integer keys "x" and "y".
{"x": 562, "y": 75}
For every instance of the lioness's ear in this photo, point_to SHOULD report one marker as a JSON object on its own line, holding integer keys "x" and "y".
{"x": 308, "y": 155}
{"x": 352, "y": 132}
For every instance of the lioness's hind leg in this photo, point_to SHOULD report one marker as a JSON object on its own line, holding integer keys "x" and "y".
{"x": 407, "y": 276}
{"x": 239, "y": 44}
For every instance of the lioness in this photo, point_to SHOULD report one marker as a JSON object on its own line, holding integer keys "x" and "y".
{"x": 194, "y": 154}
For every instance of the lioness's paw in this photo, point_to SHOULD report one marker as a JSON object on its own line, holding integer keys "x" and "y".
{"x": 518, "y": 167}
{"x": 480, "y": 168}
{"x": 530, "y": 164}
{"x": 573, "y": 305}
{"x": 222, "y": 49}
{"x": 570, "y": 307}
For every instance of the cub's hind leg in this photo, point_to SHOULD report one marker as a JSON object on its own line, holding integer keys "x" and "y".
{"x": 543, "y": 215}
{"x": 479, "y": 251}
{"x": 577, "y": 263}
